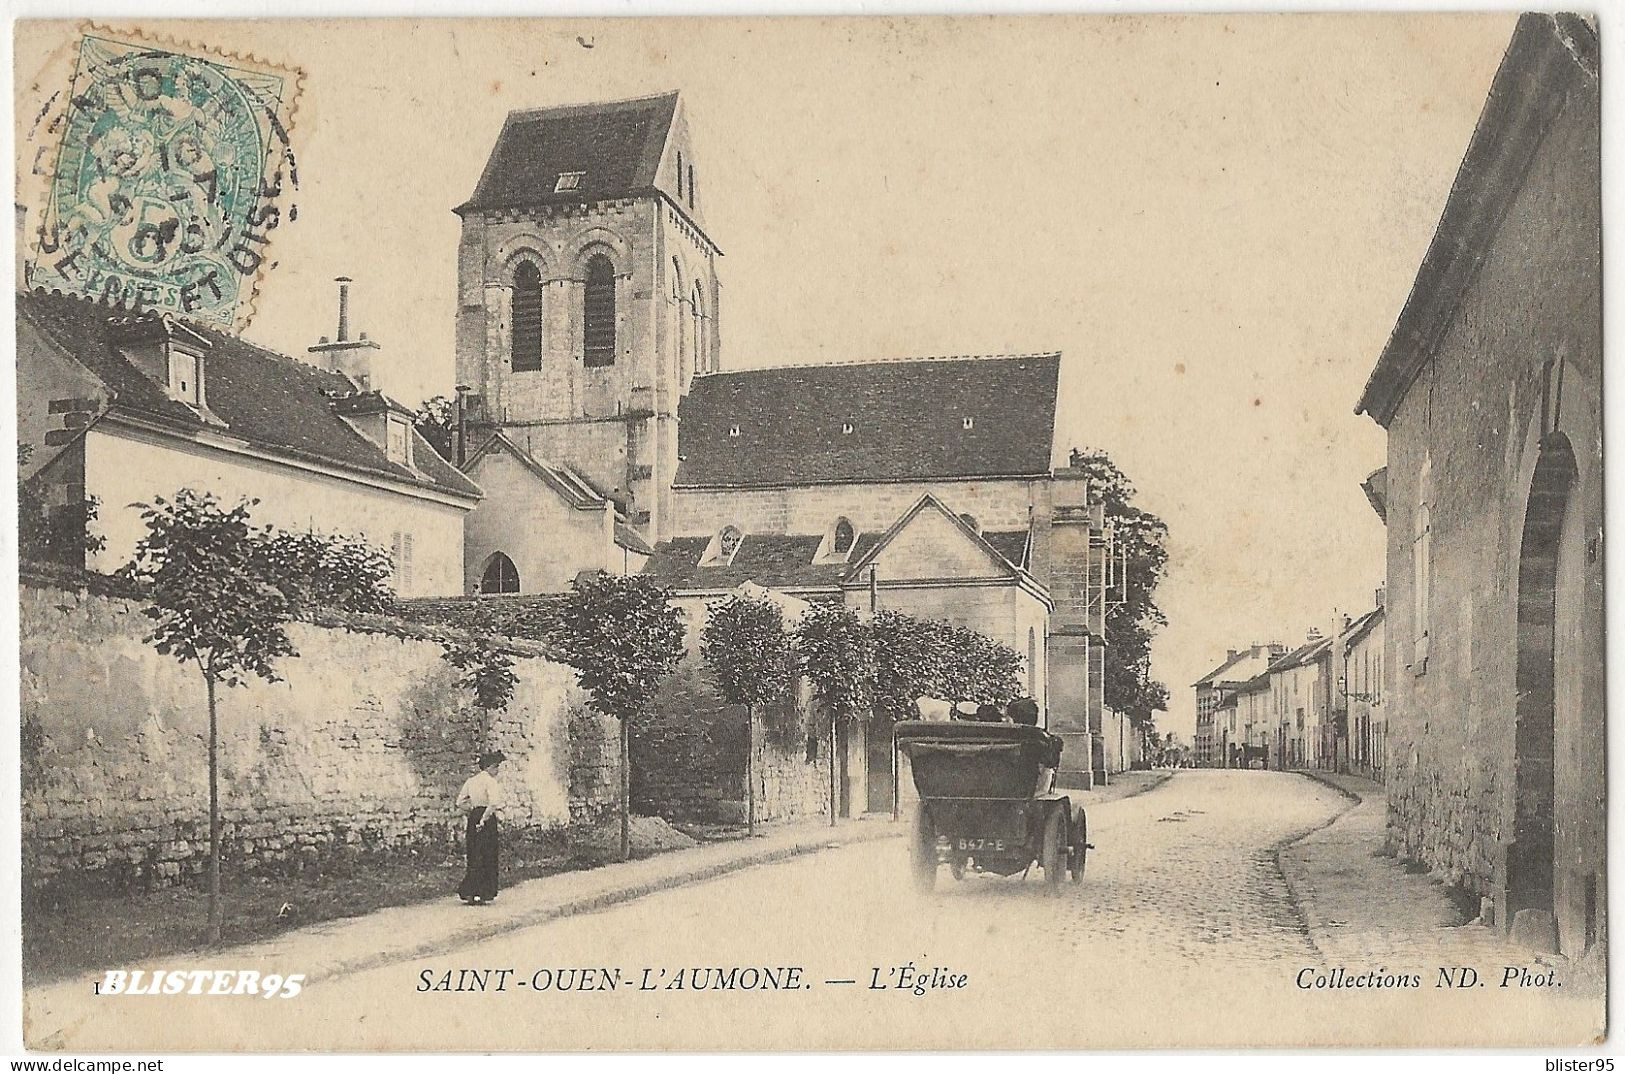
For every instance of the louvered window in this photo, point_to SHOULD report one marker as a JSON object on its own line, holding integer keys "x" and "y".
{"x": 527, "y": 319}
{"x": 401, "y": 549}
{"x": 599, "y": 333}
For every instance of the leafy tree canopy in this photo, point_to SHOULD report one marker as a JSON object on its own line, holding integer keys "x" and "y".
{"x": 747, "y": 650}
{"x": 622, "y": 635}
{"x": 1134, "y": 618}
{"x": 212, "y": 602}
{"x": 436, "y": 419}
{"x": 837, "y": 654}
{"x": 52, "y": 533}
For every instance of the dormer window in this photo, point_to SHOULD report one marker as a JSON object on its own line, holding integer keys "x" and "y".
{"x": 837, "y": 544}
{"x": 400, "y": 441}
{"x": 733, "y": 430}
{"x": 846, "y": 428}
{"x": 720, "y": 552}
{"x": 968, "y": 423}
{"x": 185, "y": 376}
{"x": 568, "y": 181}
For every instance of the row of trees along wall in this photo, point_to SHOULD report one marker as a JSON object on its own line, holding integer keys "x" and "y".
{"x": 742, "y": 731}
{"x": 360, "y": 742}
{"x": 356, "y": 740}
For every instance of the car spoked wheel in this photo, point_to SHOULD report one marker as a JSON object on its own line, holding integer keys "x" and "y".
{"x": 1079, "y": 854}
{"x": 923, "y": 852}
{"x": 1053, "y": 855}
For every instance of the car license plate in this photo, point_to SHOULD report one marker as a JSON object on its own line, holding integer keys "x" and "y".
{"x": 980, "y": 844}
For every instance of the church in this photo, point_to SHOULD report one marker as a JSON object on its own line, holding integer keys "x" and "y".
{"x": 607, "y": 434}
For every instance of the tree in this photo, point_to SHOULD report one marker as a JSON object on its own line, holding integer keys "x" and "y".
{"x": 837, "y": 654}
{"x": 317, "y": 570}
{"x": 436, "y": 419}
{"x": 1141, "y": 540}
{"x": 622, "y": 635}
{"x": 214, "y": 607}
{"x": 487, "y": 673}
{"x": 910, "y": 661}
{"x": 750, "y": 659}
{"x": 52, "y": 533}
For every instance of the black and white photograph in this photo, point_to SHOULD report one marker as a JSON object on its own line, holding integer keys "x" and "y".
{"x": 927, "y": 533}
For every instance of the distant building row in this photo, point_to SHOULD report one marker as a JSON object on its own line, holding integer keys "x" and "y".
{"x": 1319, "y": 705}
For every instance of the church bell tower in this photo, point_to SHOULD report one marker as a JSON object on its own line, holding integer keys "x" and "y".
{"x": 587, "y": 294}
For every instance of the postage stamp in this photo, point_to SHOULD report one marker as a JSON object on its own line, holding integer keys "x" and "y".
{"x": 172, "y": 170}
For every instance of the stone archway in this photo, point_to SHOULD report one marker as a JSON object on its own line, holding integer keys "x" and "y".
{"x": 1530, "y": 874}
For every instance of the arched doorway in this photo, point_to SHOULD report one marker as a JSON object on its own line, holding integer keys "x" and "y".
{"x": 1530, "y": 874}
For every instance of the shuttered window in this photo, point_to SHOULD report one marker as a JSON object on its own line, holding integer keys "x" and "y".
{"x": 527, "y": 318}
{"x": 401, "y": 549}
{"x": 599, "y": 331}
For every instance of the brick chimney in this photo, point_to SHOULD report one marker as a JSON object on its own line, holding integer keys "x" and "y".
{"x": 351, "y": 357}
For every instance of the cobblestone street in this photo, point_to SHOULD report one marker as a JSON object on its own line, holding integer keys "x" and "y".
{"x": 1218, "y": 884}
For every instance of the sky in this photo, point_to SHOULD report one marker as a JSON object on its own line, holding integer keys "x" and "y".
{"x": 1215, "y": 218}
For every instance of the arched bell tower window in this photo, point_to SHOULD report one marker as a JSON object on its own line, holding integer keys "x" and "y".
{"x": 500, "y": 576}
{"x": 526, "y": 345}
{"x": 599, "y": 312}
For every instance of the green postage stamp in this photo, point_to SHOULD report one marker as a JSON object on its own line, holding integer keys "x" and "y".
{"x": 172, "y": 169}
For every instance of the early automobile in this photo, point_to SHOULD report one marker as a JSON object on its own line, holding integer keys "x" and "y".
{"x": 986, "y": 804}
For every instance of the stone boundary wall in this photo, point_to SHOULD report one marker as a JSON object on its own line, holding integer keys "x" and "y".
{"x": 688, "y": 756}
{"x": 360, "y": 749}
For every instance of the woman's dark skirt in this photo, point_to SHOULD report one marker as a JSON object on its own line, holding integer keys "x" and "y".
{"x": 480, "y": 879}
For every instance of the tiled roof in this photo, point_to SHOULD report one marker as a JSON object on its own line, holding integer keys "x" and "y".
{"x": 907, "y": 421}
{"x": 1229, "y": 662}
{"x": 1362, "y": 626}
{"x": 1549, "y": 65}
{"x": 569, "y": 485}
{"x": 1303, "y": 654}
{"x": 278, "y": 404}
{"x": 1011, "y": 544}
{"x": 615, "y": 145}
{"x": 777, "y": 561}
{"x": 631, "y": 540}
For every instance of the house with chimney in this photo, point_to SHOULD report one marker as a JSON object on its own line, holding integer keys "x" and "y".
{"x": 1300, "y": 701}
{"x": 1217, "y": 744}
{"x": 121, "y": 406}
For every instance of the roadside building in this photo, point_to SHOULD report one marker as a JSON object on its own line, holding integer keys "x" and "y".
{"x": 1212, "y": 691}
{"x": 1300, "y": 697}
{"x": 1227, "y": 732}
{"x": 122, "y": 407}
{"x": 1360, "y": 694}
{"x": 1490, "y": 389}
{"x": 1253, "y": 703}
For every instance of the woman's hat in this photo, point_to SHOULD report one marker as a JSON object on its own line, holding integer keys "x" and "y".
{"x": 494, "y": 757}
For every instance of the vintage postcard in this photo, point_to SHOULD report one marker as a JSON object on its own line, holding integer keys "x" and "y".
{"x": 1063, "y": 532}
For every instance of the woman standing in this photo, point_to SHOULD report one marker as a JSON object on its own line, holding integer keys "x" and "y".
{"x": 482, "y": 796}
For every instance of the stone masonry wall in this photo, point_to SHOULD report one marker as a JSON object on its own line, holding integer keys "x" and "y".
{"x": 1475, "y": 415}
{"x": 361, "y": 748}
{"x": 997, "y": 505}
{"x": 688, "y": 758}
